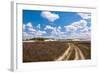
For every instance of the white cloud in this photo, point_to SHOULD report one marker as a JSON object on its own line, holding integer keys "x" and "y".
{"x": 39, "y": 26}
{"x": 80, "y": 24}
{"x": 50, "y": 16}
{"x": 81, "y": 35}
{"x": 31, "y": 32}
{"x": 84, "y": 35}
{"x": 85, "y": 15}
{"x": 49, "y": 27}
{"x": 59, "y": 27}
{"x": 39, "y": 33}
{"x": 78, "y": 29}
{"x": 76, "y": 26}
{"x": 27, "y": 36}
{"x": 29, "y": 25}
{"x": 59, "y": 31}
{"x": 55, "y": 31}
{"x": 70, "y": 28}
{"x": 85, "y": 30}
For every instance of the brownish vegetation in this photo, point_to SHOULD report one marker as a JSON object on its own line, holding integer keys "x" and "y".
{"x": 85, "y": 48}
{"x": 51, "y": 50}
{"x": 42, "y": 51}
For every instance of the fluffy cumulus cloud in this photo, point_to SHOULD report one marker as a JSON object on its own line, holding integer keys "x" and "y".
{"x": 85, "y": 15}
{"x": 76, "y": 26}
{"x": 81, "y": 35}
{"x": 80, "y": 24}
{"x": 27, "y": 35}
{"x": 29, "y": 31}
{"x": 86, "y": 29}
{"x": 70, "y": 28}
{"x": 55, "y": 31}
{"x": 29, "y": 25}
{"x": 39, "y": 33}
{"x": 78, "y": 29}
{"x": 50, "y": 16}
{"x": 39, "y": 26}
{"x": 49, "y": 27}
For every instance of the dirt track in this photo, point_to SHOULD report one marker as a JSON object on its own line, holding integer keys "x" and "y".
{"x": 56, "y": 51}
{"x": 66, "y": 55}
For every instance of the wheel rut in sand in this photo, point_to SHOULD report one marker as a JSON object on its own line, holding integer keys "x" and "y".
{"x": 68, "y": 53}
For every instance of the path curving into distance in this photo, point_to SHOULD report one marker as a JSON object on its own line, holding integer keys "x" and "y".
{"x": 72, "y": 50}
{"x": 56, "y": 50}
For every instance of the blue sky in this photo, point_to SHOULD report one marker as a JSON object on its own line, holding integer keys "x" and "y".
{"x": 35, "y": 18}
{"x": 52, "y": 24}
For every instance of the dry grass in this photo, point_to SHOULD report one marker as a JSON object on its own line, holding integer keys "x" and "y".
{"x": 51, "y": 50}
{"x": 43, "y": 51}
{"x": 85, "y": 47}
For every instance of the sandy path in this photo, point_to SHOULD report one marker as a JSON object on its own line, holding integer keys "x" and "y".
{"x": 78, "y": 54}
{"x": 66, "y": 55}
{"x": 84, "y": 46}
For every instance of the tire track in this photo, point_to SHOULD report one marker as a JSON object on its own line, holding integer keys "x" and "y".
{"x": 68, "y": 53}
{"x": 79, "y": 54}
{"x": 67, "y": 56}
{"x": 85, "y": 50}
{"x": 76, "y": 54}
{"x": 84, "y": 46}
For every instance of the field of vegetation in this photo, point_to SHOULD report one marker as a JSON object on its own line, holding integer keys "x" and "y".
{"x": 56, "y": 50}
